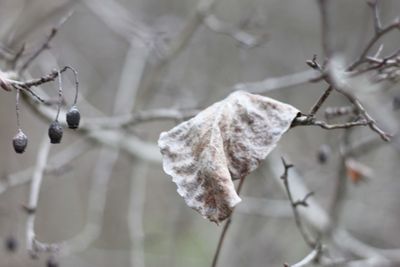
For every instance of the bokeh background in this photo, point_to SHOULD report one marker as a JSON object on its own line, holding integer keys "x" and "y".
{"x": 143, "y": 221}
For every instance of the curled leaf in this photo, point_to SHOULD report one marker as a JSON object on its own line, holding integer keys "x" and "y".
{"x": 222, "y": 143}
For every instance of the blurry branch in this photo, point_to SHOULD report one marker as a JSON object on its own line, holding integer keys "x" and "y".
{"x": 325, "y": 28}
{"x": 44, "y": 46}
{"x": 97, "y": 197}
{"x": 312, "y": 256}
{"x": 245, "y": 39}
{"x": 270, "y": 84}
{"x": 58, "y": 161}
{"x": 333, "y": 112}
{"x": 265, "y": 207}
{"x": 195, "y": 20}
{"x": 119, "y": 20}
{"x": 33, "y": 245}
{"x": 140, "y": 117}
{"x": 136, "y": 209}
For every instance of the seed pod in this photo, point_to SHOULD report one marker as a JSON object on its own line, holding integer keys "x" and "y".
{"x": 73, "y": 117}
{"x": 20, "y": 141}
{"x": 11, "y": 244}
{"x": 323, "y": 154}
{"x": 55, "y": 132}
{"x": 51, "y": 262}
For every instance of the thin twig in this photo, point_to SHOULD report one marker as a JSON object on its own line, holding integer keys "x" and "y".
{"x": 297, "y": 218}
{"x": 377, "y": 36}
{"x": 320, "y": 101}
{"x": 45, "y": 45}
{"x": 245, "y": 39}
{"x": 225, "y": 229}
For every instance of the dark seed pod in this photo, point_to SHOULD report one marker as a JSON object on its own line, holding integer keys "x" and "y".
{"x": 11, "y": 244}
{"x": 51, "y": 262}
{"x": 396, "y": 102}
{"x": 20, "y": 141}
{"x": 55, "y": 132}
{"x": 323, "y": 154}
{"x": 73, "y": 117}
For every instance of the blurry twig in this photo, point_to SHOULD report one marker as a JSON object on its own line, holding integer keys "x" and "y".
{"x": 312, "y": 256}
{"x": 33, "y": 245}
{"x": 270, "y": 84}
{"x": 246, "y": 39}
{"x": 59, "y": 160}
{"x": 135, "y": 214}
{"x": 45, "y": 45}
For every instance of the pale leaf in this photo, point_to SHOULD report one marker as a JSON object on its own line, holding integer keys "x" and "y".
{"x": 222, "y": 143}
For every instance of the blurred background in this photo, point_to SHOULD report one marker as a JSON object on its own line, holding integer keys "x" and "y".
{"x": 106, "y": 193}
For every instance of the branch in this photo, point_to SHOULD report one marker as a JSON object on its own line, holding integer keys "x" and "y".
{"x": 379, "y": 33}
{"x": 45, "y": 45}
{"x": 33, "y": 245}
{"x": 314, "y": 254}
{"x": 299, "y": 224}
{"x": 245, "y": 39}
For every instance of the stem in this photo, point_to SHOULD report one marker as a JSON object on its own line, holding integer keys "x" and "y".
{"x": 225, "y": 230}
{"x": 17, "y": 108}
{"x": 59, "y": 94}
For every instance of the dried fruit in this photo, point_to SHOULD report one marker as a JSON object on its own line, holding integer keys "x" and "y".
{"x": 51, "y": 262}
{"x": 55, "y": 132}
{"x": 20, "y": 141}
{"x": 11, "y": 244}
{"x": 323, "y": 154}
{"x": 73, "y": 117}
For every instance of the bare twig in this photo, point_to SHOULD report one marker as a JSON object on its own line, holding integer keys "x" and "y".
{"x": 379, "y": 33}
{"x": 310, "y": 242}
{"x": 311, "y": 121}
{"x": 225, "y": 229}
{"x": 245, "y": 39}
{"x": 45, "y": 45}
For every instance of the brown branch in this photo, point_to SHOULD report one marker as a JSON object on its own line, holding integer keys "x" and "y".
{"x": 320, "y": 101}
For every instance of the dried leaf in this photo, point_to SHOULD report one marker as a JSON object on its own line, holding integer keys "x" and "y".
{"x": 357, "y": 171}
{"x": 222, "y": 143}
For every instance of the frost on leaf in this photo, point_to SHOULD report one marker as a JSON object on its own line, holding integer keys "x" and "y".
{"x": 222, "y": 143}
